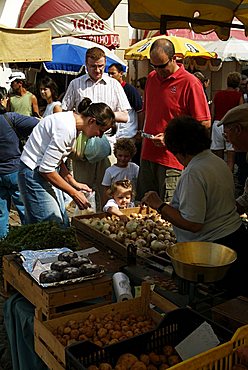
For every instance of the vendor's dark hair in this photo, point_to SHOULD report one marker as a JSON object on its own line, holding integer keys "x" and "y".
{"x": 3, "y": 94}
{"x": 118, "y": 66}
{"x": 100, "y": 111}
{"x": 185, "y": 135}
{"x": 48, "y": 82}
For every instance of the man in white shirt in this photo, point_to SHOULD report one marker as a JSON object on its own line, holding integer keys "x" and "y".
{"x": 128, "y": 130}
{"x": 99, "y": 87}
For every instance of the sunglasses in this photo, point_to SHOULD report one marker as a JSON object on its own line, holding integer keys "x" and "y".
{"x": 160, "y": 66}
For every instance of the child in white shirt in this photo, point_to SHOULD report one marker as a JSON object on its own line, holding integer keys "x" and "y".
{"x": 124, "y": 150}
{"x": 121, "y": 193}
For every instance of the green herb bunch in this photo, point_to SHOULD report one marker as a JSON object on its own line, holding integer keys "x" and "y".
{"x": 43, "y": 235}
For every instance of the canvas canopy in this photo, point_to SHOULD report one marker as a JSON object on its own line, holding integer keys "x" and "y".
{"x": 25, "y": 45}
{"x": 68, "y": 18}
{"x": 200, "y": 15}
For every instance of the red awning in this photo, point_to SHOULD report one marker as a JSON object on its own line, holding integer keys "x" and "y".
{"x": 68, "y": 18}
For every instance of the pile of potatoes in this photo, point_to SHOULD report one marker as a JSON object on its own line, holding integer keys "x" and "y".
{"x": 147, "y": 232}
{"x": 151, "y": 361}
{"x": 107, "y": 330}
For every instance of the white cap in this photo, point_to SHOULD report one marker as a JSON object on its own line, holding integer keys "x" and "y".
{"x": 16, "y": 76}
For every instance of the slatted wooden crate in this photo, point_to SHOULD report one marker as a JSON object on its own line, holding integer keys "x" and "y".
{"x": 101, "y": 238}
{"x": 52, "y": 352}
{"x": 55, "y": 301}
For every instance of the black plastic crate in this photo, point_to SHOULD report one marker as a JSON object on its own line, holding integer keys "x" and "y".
{"x": 177, "y": 325}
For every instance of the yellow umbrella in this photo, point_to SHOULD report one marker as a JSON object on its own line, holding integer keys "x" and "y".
{"x": 183, "y": 47}
{"x": 201, "y": 15}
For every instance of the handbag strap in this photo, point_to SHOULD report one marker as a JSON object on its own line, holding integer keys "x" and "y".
{"x": 11, "y": 125}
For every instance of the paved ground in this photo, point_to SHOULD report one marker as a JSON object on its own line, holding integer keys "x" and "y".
{"x": 14, "y": 219}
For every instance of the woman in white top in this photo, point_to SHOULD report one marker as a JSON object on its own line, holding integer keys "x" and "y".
{"x": 42, "y": 162}
{"x": 49, "y": 92}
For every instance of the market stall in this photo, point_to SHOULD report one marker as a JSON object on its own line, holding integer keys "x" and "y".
{"x": 62, "y": 307}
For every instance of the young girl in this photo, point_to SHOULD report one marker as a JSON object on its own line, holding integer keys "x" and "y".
{"x": 121, "y": 193}
{"x": 124, "y": 150}
{"x": 49, "y": 92}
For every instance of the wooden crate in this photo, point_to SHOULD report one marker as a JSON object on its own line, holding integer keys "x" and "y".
{"x": 55, "y": 301}
{"x": 98, "y": 236}
{"x": 48, "y": 347}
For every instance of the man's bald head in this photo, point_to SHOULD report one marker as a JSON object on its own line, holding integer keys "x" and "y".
{"x": 163, "y": 46}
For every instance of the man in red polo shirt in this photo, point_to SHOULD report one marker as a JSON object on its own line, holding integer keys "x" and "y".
{"x": 170, "y": 91}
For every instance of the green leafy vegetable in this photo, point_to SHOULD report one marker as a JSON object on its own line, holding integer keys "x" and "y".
{"x": 42, "y": 235}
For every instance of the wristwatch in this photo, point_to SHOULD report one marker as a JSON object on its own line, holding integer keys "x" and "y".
{"x": 159, "y": 209}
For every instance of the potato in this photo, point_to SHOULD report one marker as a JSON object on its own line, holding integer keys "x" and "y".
{"x": 74, "y": 334}
{"x": 164, "y": 367}
{"x": 116, "y": 334}
{"x": 154, "y": 358}
{"x": 105, "y": 340}
{"x": 173, "y": 360}
{"x": 151, "y": 367}
{"x": 163, "y": 359}
{"x": 129, "y": 334}
{"x": 139, "y": 365}
{"x": 145, "y": 358}
{"x": 102, "y": 332}
{"x": 105, "y": 366}
{"x": 109, "y": 326}
{"x": 168, "y": 350}
{"x": 70, "y": 323}
{"x": 92, "y": 367}
{"x": 89, "y": 332}
{"x": 67, "y": 330}
{"x": 127, "y": 359}
{"x": 120, "y": 367}
{"x": 113, "y": 341}
{"x": 82, "y": 337}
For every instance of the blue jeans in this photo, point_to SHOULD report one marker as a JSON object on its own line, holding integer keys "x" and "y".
{"x": 9, "y": 191}
{"x": 41, "y": 201}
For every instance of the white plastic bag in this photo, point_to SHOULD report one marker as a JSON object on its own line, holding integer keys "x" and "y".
{"x": 91, "y": 197}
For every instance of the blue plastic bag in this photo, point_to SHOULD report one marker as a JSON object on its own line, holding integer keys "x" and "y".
{"x": 97, "y": 148}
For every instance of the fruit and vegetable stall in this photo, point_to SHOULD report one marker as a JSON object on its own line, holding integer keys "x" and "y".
{"x": 67, "y": 276}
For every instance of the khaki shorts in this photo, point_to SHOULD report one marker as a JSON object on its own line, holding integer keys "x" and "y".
{"x": 155, "y": 177}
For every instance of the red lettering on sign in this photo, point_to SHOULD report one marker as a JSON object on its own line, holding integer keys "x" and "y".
{"x": 88, "y": 24}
